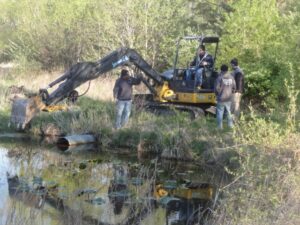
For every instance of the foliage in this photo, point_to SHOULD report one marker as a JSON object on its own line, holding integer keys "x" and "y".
{"x": 265, "y": 191}
{"x": 57, "y": 33}
{"x": 261, "y": 39}
{"x": 259, "y": 131}
{"x": 265, "y": 187}
{"x": 292, "y": 105}
{"x": 51, "y": 34}
{"x": 207, "y": 17}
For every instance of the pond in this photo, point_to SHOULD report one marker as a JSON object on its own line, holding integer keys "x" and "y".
{"x": 41, "y": 184}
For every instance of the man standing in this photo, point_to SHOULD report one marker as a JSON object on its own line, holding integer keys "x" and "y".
{"x": 224, "y": 87}
{"x": 238, "y": 75}
{"x": 201, "y": 61}
{"x": 123, "y": 93}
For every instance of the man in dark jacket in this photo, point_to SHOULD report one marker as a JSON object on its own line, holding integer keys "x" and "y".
{"x": 201, "y": 61}
{"x": 224, "y": 88}
{"x": 238, "y": 75}
{"x": 123, "y": 93}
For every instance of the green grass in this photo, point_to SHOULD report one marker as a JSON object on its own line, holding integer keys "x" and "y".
{"x": 4, "y": 120}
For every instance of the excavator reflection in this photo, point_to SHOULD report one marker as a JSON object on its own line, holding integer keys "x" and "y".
{"x": 184, "y": 204}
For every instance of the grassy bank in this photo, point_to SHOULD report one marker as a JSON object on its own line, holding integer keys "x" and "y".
{"x": 261, "y": 153}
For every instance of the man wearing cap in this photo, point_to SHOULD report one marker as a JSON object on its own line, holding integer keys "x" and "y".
{"x": 224, "y": 88}
{"x": 238, "y": 76}
{"x": 123, "y": 94}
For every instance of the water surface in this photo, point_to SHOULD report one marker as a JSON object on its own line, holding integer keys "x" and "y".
{"x": 40, "y": 184}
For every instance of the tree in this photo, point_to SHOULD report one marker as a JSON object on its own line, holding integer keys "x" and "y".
{"x": 56, "y": 33}
{"x": 259, "y": 38}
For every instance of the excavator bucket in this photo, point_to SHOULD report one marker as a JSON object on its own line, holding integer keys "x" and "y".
{"x": 24, "y": 109}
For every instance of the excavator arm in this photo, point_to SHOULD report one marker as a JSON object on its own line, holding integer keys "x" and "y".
{"x": 23, "y": 110}
{"x": 85, "y": 71}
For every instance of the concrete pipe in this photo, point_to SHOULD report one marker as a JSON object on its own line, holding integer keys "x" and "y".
{"x": 76, "y": 140}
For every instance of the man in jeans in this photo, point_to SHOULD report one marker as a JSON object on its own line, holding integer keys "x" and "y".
{"x": 238, "y": 75}
{"x": 201, "y": 61}
{"x": 123, "y": 93}
{"x": 224, "y": 88}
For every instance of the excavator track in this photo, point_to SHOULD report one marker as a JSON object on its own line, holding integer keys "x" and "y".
{"x": 166, "y": 108}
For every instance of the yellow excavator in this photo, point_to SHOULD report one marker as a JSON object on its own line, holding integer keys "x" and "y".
{"x": 167, "y": 90}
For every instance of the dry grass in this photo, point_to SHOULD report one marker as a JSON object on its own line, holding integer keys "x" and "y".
{"x": 265, "y": 188}
{"x": 100, "y": 88}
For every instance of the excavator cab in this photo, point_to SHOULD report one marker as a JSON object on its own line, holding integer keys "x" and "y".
{"x": 186, "y": 50}
{"x": 186, "y": 91}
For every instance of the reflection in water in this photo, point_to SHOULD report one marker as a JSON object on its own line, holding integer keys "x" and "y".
{"x": 78, "y": 148}
{"x": 22, "y": 192}
{"x": 186, "y": 211}
{"x": 118, "y": 188}
{"x": 94, "y": 187}
{"x": 185, "y": 203}
{"x": 4, "y": 166}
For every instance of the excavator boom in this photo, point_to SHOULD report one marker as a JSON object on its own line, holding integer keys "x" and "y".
{"x": 24, "y": 110}
{"x": 80, "y": 73}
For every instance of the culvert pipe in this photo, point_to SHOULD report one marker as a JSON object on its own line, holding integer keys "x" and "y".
{"x": 77, "y": 139}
